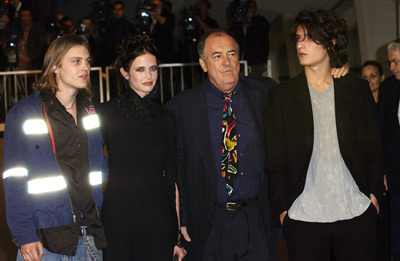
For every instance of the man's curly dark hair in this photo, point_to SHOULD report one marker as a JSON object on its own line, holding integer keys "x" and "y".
{"x": 325, "y": 28}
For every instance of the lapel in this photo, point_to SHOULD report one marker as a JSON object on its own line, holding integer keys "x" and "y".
{"x": 396, "y": 98}
{"x": 342, "y": 106}
{"x": 303, "y": 106}
{"x": 200, "y": 131}
{"x": 252, "y": 97}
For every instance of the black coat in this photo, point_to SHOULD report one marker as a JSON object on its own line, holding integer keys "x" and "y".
{"x": 389, "y": 96}
{"x": 197, "y": 176}
{"x": 289, "y": 133}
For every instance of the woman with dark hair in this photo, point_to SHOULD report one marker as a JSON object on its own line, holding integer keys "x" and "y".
{"x": 140, "y": 200}
{"x": 373, "y": 73}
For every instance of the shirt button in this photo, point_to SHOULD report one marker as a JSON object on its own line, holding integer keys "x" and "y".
{"x": 241, "y": 154}
{"x": 241, "y": 173}
{"x": 239, "y": 135}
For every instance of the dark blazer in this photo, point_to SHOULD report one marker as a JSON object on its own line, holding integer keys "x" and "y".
{"x": 196, "y": 168}
{"x": 389, "y": 96}
{"x": 289, "y": 133}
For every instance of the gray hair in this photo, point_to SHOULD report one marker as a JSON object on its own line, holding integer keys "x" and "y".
{"x": 394, "y": 45}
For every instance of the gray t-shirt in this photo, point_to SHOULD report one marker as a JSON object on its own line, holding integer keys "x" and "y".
{"x": 330, "y": 192}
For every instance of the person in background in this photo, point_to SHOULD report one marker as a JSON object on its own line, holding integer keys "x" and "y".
{"x": 373, "y": 73}
{"x": 389, "y": 118}
{"x": 87, "y": 31}
{"x": 117, "y": 28}
{"x": 67, "y": 26}
{"x": 140, "y": 210}
{"x": 54, "y": 164}
{"x": 162, "y": 30}
{"x": 32, "y": 43}
{"x": 203, "y": 18}
{"x": 255, "y": 40}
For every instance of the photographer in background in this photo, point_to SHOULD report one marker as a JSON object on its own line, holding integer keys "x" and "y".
{"x": 67, "y": 26}
{"x": 196, "y": 22}
{"x": 256, "y": 41}
{"x": 117, "y": 28}
{"x": 87, "y": 31}
{"x": 25, "y": 43}
{"x": 162, "y": 29}
{"x": 206, "y": 23}
{"x": 10, "y": 10}
{"x": 252, "y": 31}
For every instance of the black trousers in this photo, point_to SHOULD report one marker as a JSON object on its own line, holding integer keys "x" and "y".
{"x": 353, "y": 239}
{"x": 228, "y": 238}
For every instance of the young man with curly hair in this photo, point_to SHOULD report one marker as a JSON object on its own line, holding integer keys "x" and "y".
{"x": 323, "y": 151}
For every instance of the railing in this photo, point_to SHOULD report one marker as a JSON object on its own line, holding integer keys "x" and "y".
{"x": 173, "y": 78}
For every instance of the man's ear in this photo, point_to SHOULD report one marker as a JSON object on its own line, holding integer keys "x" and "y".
{"x": 203, "y": 64}
{"x": 124, "y": 73}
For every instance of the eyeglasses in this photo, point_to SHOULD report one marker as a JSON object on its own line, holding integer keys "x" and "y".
{"x": 395, "y": 61}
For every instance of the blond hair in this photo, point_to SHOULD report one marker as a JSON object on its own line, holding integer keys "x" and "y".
{"x": 52, "y": 59}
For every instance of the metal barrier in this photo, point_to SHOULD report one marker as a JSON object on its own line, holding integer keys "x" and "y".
{"x": 173, "y": 78}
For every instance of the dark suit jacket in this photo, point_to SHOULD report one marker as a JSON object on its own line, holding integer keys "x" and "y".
{"x": 196, "y": 168}
{"x": 289, "y": 133}
{"x": 389, "y": 96}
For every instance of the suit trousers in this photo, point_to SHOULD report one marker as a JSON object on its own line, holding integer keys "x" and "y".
{"x": 394, "y": 204}
{"x": 228, "y": 238}
{"x": 354, "y": 239}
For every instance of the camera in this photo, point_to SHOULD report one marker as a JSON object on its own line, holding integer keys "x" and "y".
{"x": 190, "y": 20}
{"x": 11, "y": 50}
{"x": 190, "y": 26}
{"x": 239, "y": 10}
{"x": 3, "y": 8}
{"x": 83, "y": 28}
{"x": 144, "y": 18}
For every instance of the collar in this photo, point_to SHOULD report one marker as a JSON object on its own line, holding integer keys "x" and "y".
{"x": 136, "y": 108}
{"x": 217, "y": 92}
{"x": 52, "y": 103}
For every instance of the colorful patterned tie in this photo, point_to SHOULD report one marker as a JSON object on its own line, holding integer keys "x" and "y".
{"x": 229, "y": 163}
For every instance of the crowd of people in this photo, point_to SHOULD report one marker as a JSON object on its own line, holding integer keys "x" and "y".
{"x": 224, "y": 171}
{"x": 155, "y": 19}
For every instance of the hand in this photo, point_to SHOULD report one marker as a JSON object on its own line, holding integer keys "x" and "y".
{"x": 185, "y": 234}
{"x": 375, "y": 202}
{"x": 152, "y": 13}
{"x": 6, "y": 18}
{"x": 24, "y": 58}
{"x": 179, "y": 252}
{"x": 32, "y": 251}
{"x": 339, "y": 72}
{"x": 282, "y": 216}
